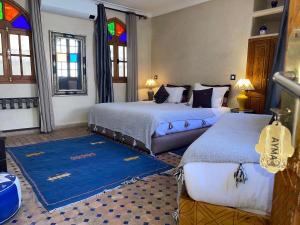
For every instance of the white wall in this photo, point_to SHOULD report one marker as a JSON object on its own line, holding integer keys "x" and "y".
{"x": 144, "y": 33}
{"x": 204, "y": 43}
{"x": 18, "y": 118}
{"x": 72, "y": 109}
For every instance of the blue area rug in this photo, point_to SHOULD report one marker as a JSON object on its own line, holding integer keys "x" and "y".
{"x": 67, "y": 171}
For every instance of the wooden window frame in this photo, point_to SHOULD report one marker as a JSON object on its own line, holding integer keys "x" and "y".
{"x": 115, "y": 42}
{"x": 6, "y": 29}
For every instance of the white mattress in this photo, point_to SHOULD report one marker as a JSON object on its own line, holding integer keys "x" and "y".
{"x": 214, "y": 183}
{"x": 165, "y": 128}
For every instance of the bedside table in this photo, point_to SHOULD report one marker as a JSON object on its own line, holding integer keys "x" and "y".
{"x": 3, "y": 167}
{"x": 237, "y": 110}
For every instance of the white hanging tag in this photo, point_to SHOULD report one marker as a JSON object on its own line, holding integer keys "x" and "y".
{"x": 275, "y": 147}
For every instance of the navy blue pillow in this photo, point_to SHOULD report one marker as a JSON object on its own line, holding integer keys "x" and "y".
{"x": 161, "y": 95}
{"x": 202, "y": 98}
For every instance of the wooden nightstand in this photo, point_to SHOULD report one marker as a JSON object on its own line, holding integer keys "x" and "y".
{"x": 3, "y": 167}
{"x": 237, "y": 110}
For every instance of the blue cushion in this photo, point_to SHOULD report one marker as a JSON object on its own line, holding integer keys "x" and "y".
{"x": 10, "y": 196}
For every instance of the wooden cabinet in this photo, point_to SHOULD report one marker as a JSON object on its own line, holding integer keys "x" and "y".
{"x": 259, "y": 67}
{"x": 294, "y": 16}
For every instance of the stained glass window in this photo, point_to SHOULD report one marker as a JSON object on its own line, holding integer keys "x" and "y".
{"x": 73, "y": 57}
{"x": 13, "y": 15}
{"x": 1, "y": 11}
{"x": 111, "y": 28}
{"x": 15, "y": 40}
{"x": 123, "y": 37}
{"x": 116, "y": 30}
{"x": 119, "y": 29}
{"x": 10, "y": 12}
{"x": 21, "y": 23}
{"x": 117, "y": 38}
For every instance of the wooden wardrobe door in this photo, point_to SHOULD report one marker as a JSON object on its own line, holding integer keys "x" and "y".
{"x": 259, "y": 66}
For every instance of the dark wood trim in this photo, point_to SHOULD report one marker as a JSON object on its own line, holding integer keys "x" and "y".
{"x": 264, "y": 37}
{"x": 120, "y": 80}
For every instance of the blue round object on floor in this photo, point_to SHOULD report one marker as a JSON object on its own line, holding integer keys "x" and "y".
{"x": 10, "y": 196}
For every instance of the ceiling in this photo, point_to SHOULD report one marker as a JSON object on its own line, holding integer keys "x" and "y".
{"x": 153, "y": 7}
{"x": 84, "y": 8}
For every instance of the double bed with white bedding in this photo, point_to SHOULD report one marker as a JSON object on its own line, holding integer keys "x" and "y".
{"x": 145, "y": 120}
{"x": 210, "y": 162}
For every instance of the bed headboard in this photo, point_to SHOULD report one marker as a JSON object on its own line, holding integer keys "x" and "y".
{"x": 226, "y": 96}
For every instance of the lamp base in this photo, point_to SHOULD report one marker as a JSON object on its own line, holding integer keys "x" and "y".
{"x": 150, "y": 95}
{"x": 242, "y": 100}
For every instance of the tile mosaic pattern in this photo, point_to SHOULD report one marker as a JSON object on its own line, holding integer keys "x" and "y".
{"x": 148, "y": 202}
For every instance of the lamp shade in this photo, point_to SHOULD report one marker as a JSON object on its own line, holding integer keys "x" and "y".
{"x": 244, "y": 85}
{"x": 150, "y": 83}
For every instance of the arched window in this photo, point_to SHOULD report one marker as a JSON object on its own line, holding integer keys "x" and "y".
{"x": 118, "y": 41}
{"x": 16, "y": 61}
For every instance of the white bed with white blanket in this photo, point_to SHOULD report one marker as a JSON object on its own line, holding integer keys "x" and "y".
{"x": 144, "y": 120}
{"x": 209, "y": 165}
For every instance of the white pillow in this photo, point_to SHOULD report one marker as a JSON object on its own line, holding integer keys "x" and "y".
{"x": 175, "y": 94}
{"x": 217, "y": 96}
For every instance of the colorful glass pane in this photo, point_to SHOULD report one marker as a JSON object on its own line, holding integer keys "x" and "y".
{"x": 109, "y": 37}
{"x": 111, "y": 28}
{"x": 21, "y": 23}
{"x": 10, "y": 12}
{"x": 119, "y": 29}
{"x": 123, "y": 37}
{"x": 1, "y": 11}
{"x": 73, "y": 58}
{"x": 61, "y": 57}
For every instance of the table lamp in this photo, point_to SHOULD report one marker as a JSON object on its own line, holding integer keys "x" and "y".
{"x": 151, "y": 83}
{"x": 243, "y": 85}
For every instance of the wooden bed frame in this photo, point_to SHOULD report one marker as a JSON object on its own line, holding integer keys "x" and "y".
{"x": 159, "y": 144}
{"x": 200, "y": 213}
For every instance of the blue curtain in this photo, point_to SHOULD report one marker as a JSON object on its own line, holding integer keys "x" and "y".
{"x": 103, "y": 61}
{"x": 273, "y": 90}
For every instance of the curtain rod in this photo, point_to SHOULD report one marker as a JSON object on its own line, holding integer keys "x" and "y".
{"x": 123, "y": 11}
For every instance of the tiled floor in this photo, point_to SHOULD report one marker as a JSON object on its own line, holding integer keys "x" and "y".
{"x": 145, "y": 202}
